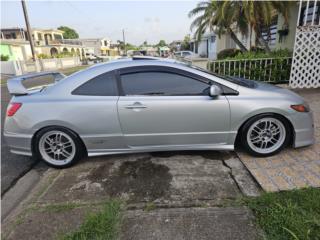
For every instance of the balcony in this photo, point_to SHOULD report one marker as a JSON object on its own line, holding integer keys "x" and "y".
{"x": 58, "y": 42}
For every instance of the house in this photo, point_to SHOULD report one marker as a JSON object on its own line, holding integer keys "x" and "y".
{"x": 47, "y": 41}
{"x": 278, "y": 35}
{"x": 206, "y": 46}
{"x": 176, "y": 45}
{"x": 101, "y": 46}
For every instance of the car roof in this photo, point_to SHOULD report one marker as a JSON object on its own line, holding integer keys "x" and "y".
{"x": 82, "y": 76}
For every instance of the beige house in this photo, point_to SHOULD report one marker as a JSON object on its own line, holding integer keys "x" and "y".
{"x": 47, "y": 41}
{"x": 100, "y": 47}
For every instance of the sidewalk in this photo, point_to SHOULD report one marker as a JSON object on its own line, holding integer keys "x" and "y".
{"x": 177, "y": 195}
{"x": 291, "y": 168}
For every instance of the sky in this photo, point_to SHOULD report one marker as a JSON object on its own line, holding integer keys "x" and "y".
{"x": 142, "y": 20}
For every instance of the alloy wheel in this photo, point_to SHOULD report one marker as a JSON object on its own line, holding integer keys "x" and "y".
{"x": 266, "y": 135}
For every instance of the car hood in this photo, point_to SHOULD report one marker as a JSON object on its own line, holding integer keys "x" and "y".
{"x": 273, "y": 90}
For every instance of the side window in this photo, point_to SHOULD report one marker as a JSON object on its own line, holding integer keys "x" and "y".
{"x": 102, "y": 85}
{"x": 161, "y": 83}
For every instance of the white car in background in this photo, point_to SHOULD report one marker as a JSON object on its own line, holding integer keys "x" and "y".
{"x": 183, "y": 54}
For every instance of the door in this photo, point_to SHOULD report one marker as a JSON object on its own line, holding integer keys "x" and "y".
{"x": 164, "y": 108}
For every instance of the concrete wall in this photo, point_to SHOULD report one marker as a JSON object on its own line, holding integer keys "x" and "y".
{"x": 202, "y": 48}
{"x": 10, "y": 68}
{"x": 23, "y": 67}
{"x": 5, "y": 50}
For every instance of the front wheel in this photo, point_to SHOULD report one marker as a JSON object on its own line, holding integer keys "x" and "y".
{"x": 58, "y": 147}
{"x": 265, "y": 135}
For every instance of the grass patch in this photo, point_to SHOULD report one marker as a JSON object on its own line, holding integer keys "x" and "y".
{"x": 288, "y": 215}
{"x": 102, "y": 225}
{"x": 150, "y": 206}
{"x": 60, "y": 207}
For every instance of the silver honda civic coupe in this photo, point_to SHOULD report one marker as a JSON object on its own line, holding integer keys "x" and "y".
{"x": 148, "y": 104}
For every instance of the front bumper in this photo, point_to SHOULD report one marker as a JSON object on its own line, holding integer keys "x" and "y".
{"x": 303, "y": 129}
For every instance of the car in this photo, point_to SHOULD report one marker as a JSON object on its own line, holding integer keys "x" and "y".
{"x": 91, "y": 57}
{"x": 184, "y": 54}
{"x": 147, "y": 104}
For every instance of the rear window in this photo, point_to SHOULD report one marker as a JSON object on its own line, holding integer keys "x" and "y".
{"x": 102, "y": 85}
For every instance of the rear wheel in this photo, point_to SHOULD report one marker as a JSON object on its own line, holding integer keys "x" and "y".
{"x": 265, "y": 135}
{"x": 58, "y": 147}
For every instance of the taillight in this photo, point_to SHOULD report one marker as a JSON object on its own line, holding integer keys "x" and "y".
{"x": 13, "y": 108}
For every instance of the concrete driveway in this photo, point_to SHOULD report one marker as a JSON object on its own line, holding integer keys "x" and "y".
{"x": 190, "y": 193}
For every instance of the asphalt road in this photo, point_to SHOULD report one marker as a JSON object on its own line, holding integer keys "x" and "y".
{"x": 13, "y": 166}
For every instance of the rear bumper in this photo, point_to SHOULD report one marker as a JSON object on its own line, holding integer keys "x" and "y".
{"x": 19, "y": 143}
{"x": 303, "y": 129}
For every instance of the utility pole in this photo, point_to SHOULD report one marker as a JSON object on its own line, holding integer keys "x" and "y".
{"x": 28, "y": 28}
{"x": 124, "y": 42}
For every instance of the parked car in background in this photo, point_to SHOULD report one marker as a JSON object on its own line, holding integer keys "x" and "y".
{"x": 91, "y": 57}
{"x": 146, "y": 104}
{"x": 184, "y": 54}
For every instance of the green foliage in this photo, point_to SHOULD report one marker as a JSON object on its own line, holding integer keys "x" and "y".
{"x": 59, "y": 55}
{"x": 43, "y": 56}
{"x": 129, "y": 46}
{"x": 161, "y": 43}
{"x": 228, "y": 53}
{"x": 258, "y": 53}
{"x": 69, "y": 33}
{"x": 186, "y": 43}
{"x": 101, "y": 225}
{"x": 273, "y": 67}
{"x": 288, "y": 215}
{"x": 222, "y": 16}
{"x": 4, "y": 57}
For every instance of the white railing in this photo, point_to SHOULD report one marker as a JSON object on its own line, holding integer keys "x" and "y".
{"x": 272, "y": 70}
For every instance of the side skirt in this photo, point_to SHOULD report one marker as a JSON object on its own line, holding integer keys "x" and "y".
{"x": 100, "y": 152}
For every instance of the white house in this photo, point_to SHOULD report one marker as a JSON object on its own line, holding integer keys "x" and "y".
{"x": 206, "y": 47}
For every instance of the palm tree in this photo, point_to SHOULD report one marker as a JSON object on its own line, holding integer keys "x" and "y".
{"x": 211, "y": 15}
{"x": 257, "y": 14}
{"x": 245, "y": 15}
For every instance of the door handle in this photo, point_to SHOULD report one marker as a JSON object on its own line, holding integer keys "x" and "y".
{"x": 135, "y": 106}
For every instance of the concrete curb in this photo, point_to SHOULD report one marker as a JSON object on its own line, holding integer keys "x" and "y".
{"x": 18, "y": 192}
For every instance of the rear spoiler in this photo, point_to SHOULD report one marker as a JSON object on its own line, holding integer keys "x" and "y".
{"x": 16, "y": 87}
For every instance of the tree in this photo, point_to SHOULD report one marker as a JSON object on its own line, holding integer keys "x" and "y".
{"x": 185, "y": 45}
{"x": 68, "y": 33}
{"x": 213, "y": 16}
{"x": 161, "y": 43}
{"x": 257, "y": 15}
{"x": 129, "y": 46}
{"x": 222, "y": 16}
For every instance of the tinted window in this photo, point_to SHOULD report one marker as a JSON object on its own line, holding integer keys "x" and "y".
{"x": 161, "y": 83}
{"x": 102, "y": 85}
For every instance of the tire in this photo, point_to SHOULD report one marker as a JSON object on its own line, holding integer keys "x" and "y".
{"x": 265, "y": 135}
{"x": 58, "y": 147}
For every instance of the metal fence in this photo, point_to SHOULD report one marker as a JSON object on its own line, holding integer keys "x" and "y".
{"x": 271, "y": 70}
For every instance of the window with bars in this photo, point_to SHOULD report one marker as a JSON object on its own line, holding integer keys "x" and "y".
{"x": 308, "y": 13}
{"x": 269, "y": 33}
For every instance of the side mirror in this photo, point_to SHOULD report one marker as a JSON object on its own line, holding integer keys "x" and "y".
{"x": 215, "y": 91}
